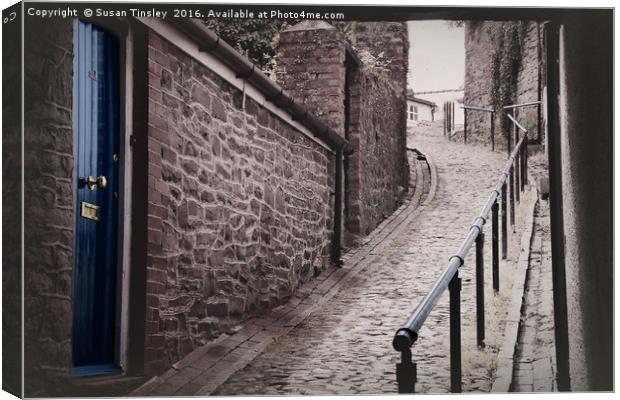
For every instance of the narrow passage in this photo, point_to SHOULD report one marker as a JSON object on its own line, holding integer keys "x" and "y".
{"x": 345, "y": 346}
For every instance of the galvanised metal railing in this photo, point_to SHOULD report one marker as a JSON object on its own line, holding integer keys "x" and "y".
{"x": 515, "y": 109}
{"x": 467, "y": 108}
{"x": 407, "y": 335}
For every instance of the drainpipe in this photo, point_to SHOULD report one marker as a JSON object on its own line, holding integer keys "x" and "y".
{"x": 337, "y": 239}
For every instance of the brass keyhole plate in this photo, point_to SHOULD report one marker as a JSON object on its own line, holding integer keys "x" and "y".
{"x": 90, "y": 211}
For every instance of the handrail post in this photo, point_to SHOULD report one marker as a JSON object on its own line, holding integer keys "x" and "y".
{"x": 525, "y": 168}
{"x": 455, "y": 333}
{"x": 521, "y": 172}
{"x": 406, "y": 373}
{"x": 509, "y": 141}
{"x": 495, "y": 240}
{"x": 524, "y": 163}
{"x": 465, "y": 125}
{"x": 504, "y": 223}
{"x": 539, "y": 122}
{"x": 453, "y": 122}
{"x": 445, "y": 117}
{"x": 480, "y": 288}
{"x": 492, "y": 130}
{"x": 517, "y": 166}
{"x": 448, "y": 128}
{"x": 512, "y": 196}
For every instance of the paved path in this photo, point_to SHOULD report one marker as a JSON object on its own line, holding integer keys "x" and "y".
{"x": 534, "y": 369}
{"x": 344, "y": 347}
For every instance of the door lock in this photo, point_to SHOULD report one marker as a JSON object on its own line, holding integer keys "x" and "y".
{"x": 100, "y": 181}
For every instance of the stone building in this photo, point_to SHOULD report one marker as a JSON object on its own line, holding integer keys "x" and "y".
{"x": 503, "y": 65}
{"x": 175, "y": 190}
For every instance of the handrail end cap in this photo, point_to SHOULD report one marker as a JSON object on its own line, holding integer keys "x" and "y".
{"x": 404, "y": 339}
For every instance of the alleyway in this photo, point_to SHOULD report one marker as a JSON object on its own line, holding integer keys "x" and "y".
{"x": 345, "y": 346}
{"x": 334, "y": 336}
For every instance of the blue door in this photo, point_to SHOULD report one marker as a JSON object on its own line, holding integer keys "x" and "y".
{"x": 96, "y": 127}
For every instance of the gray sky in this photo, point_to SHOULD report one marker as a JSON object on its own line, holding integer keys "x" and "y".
{"x": 436, "y": 56}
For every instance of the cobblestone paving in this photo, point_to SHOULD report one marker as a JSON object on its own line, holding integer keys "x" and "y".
{"x": 534, "y": 369}
{"x": 345, "y": 346}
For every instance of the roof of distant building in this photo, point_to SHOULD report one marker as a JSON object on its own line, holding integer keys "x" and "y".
{"x": 411, "y": 97}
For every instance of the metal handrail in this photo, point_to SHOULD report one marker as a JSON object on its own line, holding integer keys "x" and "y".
{"x": 466, "y": 108}
{"x": 515, "y": 109}
{"x": 407, "y": 335}
{"x": 517, "y": 124}
{"x": 529, "y": 103}
{"x": 476, "y": 108}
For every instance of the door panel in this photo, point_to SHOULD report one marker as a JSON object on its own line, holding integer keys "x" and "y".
{"x": 96, "y": 122}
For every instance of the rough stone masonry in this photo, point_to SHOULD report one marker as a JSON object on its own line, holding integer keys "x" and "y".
{"x": 366, "y": 71}
{"x": 240, "y": 203}
{"x": 503, "y": 65}
{"x": 239, "y": 206}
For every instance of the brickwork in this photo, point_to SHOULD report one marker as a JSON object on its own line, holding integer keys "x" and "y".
{"x": 312, "y": 64}
{"x": 502, "y": 66}
{"x": 239, "y": 210}
{"x": 48, "y": 241}
{"x": 311, "y": 67}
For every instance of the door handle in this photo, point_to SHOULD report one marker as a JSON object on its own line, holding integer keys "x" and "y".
{"x": 100, "y": 181}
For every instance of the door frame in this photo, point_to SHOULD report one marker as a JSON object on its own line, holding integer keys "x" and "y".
{"x": 121, "y": 30}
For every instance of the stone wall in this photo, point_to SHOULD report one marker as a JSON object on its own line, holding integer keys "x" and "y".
{"x": 239, "y": 206}
{"x": 354, "y": 76}
{"x": 375, "y": 173}
{"x": 531, "y": 74}
{"x": 378, "y": 172}
{"x": 502, "y": 66}
{"x": 311, "y": 67}
{"x": 48, "y": 222}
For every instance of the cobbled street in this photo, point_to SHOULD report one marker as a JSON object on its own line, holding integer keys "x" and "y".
{"x": 345, "y": 346}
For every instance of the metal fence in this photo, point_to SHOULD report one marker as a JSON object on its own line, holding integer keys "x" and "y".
{"x": 482, "y": 109}
{"x": 512, "y": 107}
{"x": 449, "y": 126}
{"x": 513, "y": 179}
